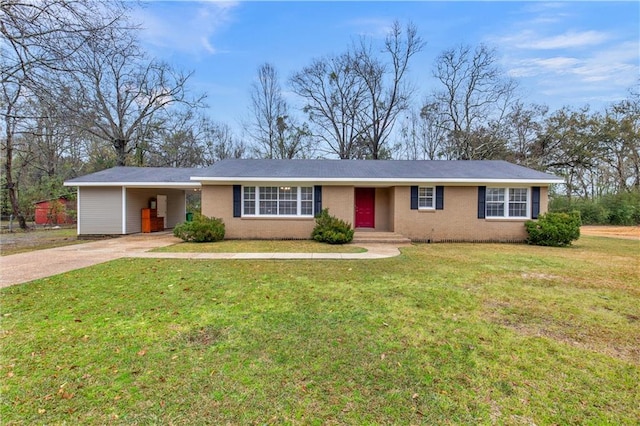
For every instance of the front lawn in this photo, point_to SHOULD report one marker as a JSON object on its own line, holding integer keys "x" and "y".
{"x": 443, "y": 334}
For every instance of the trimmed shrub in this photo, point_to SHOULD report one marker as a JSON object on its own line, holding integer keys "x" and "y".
{"x": 201, "y": 229}
{"x": 330, "y": 229}
{"x": 554, "y": 229}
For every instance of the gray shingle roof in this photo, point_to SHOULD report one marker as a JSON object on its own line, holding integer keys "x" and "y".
{"x": 138, "y": 175}
{"x": 362, "y": 169}
{"x": 320, "y": 170}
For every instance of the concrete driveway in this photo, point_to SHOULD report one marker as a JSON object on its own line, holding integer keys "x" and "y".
{"x": 25, "y": 267}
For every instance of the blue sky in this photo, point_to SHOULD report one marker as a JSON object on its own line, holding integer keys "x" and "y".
{"x": 561, "y": 53}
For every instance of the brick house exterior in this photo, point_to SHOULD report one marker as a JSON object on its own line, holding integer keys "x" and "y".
{"x": 278, "y": 199}
{"x": 422, "y": 200}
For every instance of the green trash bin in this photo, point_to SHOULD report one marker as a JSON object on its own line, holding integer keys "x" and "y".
{"x": 189, "y": 217}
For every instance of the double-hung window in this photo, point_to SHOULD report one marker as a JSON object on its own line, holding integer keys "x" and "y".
{"x": 507, "y": 202}
{"x": 518, "y": 202}
{"x": 277, "y": 201}
{"x": 426, "y": 197}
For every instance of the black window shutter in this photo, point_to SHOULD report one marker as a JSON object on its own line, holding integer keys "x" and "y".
{"x": 317, "y": 200}
{"x": 535, "y": 202}
{"x": 237, "y": 200}
{"x": 482, "y": 193}
{"x": 439, "y": 197}
{"x": 414, "y": 198}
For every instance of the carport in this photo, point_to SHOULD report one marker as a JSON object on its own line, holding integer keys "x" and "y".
{"x": 110, "y": 201}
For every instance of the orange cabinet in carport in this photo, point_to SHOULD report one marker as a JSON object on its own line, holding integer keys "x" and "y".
{"x": 146, "y": 220}
{"x": 151, "y": 222}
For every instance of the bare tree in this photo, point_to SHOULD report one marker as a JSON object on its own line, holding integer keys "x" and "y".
{"x": 267, "y": 107}
{"x": 293, "y": 140}
{"x": 423, "y": 134}
{"x": 174, "y": 142}
{"x": 189, "y": 140}
{"x": 334, "y": 99}
{"x": 477, "y": 96}
{"x": 40, "y": 35}
{"x": 353, "y": 99}
{"x": 388, "y": 93}
{"x": 11, "y": 96}
{"x": 120, "y": 92}
{"x": 524, "y": 123}
{"x": 274, "y": 130}
{"x": 38, "y": 39}
{"x": 220, "y": 143}
{"x": 56, "y": 146}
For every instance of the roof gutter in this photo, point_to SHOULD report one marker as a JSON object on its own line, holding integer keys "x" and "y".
{"x": 136, "y": 184}
{"x": 377, "y": 181}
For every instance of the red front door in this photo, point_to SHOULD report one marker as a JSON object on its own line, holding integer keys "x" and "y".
{"x": 365, "y": 207}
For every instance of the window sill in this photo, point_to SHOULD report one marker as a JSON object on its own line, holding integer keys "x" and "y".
{"x": 506, "y": 219}
{"x": 426, "y": 210}
{"x": 277, "y": 217}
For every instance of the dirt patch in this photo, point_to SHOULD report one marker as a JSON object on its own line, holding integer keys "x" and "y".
{"x": 36, "y": 239}
{"x": 626, "y": 232}
{"x": 206, "y": 336}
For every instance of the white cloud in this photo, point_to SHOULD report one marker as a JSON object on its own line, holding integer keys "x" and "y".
{"x": 529, "y": 39}
{"x": 601, "y": 77}
{"x": 615, "y": 64}
{"x": 565, "y": 55}
{"x": 532, "y": 67}
{"x": 185, "y": 27}
{"x": 570, "y": 40}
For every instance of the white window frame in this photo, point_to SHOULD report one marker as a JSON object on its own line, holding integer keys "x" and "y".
{"x": 298, "y": 201}
{"x": 506, "y": 202}
{"x": 427, "y": 198}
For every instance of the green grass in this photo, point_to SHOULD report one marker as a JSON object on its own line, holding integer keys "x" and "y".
{"x": 443, "y": 334}
{"x": 20, "y": 241}
{"x": 261, "y": 246}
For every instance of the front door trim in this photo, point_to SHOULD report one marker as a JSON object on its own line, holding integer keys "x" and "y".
{"x": 365, "y": 206}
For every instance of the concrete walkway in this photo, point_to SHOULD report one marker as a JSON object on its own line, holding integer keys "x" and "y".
{"x": 25, "y": 267}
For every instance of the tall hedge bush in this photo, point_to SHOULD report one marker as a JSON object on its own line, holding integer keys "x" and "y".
{"x": 201, "y": 229}
{"x": 554, "y": 229}
{"x": 611, "y": 209}
{"x": 330, "y": 229}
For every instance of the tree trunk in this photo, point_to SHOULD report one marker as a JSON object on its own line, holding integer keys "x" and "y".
{"x": 8, "y": 168}
{"x": 120, "y": 146}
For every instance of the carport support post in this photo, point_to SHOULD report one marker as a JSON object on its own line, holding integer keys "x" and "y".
{"x": 124, "y": 210}
{"x": 78, "y": 214}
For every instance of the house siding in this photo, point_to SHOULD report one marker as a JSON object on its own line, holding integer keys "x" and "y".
{"x": 100, "y": 210}
{"x": 138, "y": 198}
{"x": 176, "y": 206}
